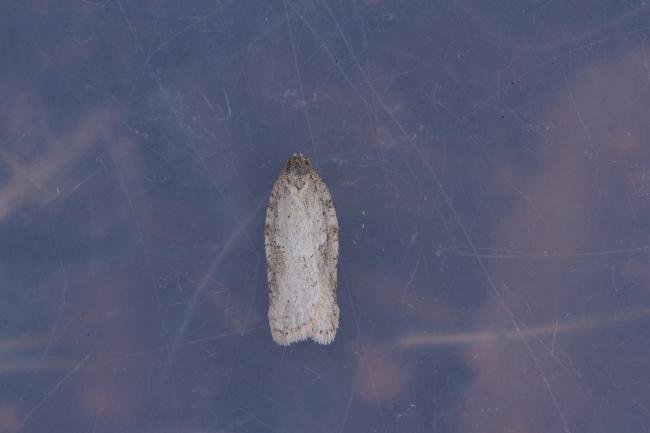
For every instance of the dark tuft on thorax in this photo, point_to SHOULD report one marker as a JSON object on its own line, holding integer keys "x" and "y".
{"x": 298, "y": 165}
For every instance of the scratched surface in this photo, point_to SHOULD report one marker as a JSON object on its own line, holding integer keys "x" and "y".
{"x": 490, "y": 168}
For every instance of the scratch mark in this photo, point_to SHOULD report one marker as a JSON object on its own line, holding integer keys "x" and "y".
{"x": 577, "y": 110}
{"x": 189, "y": 311}
{"x": 190, "y": 141}
{"x": 302, "y": 91}
{"x": 64, "y": 291}
{"x": 415, "y": 270}
{"x": 51, "y": 392}
{"x": 513, "y": 254}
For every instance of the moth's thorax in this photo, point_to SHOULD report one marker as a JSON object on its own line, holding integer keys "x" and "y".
{"x": 298, "y": 171}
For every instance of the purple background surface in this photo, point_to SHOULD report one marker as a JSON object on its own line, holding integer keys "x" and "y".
{"x": 490, "y": 165}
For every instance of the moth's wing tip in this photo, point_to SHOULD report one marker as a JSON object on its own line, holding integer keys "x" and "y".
{"x": 325, "y": 340}
{"x": 324, "y": 336}
{"x": 289, "y": 338}
{"x": 282, "y": 342}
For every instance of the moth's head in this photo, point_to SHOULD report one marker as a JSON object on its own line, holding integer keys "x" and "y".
{"x": 298, "y": 165}
{"x": 298, "y": 170}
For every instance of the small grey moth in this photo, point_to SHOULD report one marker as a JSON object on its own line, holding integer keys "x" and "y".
{"x": 302, "y": 250}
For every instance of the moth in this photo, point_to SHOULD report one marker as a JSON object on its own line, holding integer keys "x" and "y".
{"x": 302, "y": 250}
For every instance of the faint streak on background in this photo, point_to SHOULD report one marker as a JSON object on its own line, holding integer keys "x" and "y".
{"x": 459, "y": 338}
{"x": 189, "y": 311}
{"x": 38, "y": 180}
